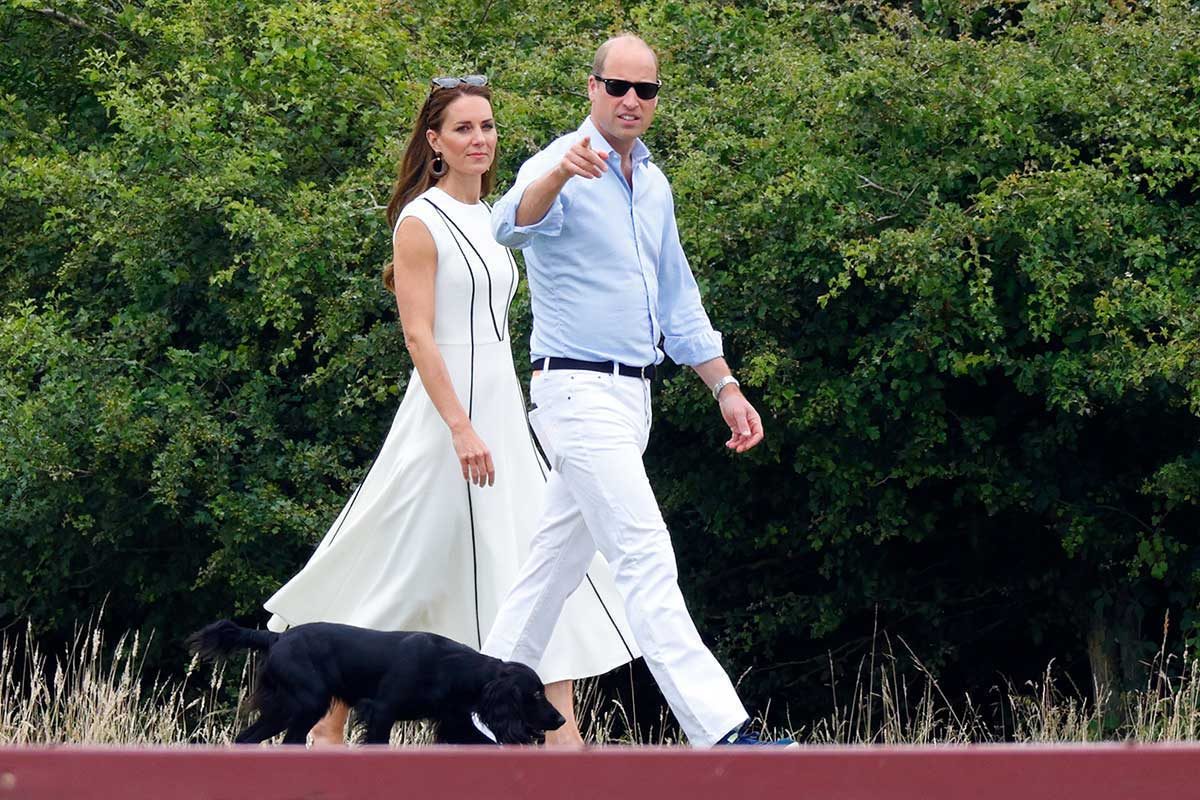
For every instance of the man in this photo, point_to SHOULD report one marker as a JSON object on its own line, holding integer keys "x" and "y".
{"x": 608, "y": 279}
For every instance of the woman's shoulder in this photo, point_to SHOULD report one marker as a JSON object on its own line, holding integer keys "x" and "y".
{"x": 419, "y": 206}
{"x": 442, "y": 213}
{"x": 433, "y": 203}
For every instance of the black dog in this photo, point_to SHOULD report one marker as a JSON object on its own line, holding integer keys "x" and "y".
{"x": 385, "y": 676}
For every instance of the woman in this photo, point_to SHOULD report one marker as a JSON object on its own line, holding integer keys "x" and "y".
{"x": 433, "y": 537}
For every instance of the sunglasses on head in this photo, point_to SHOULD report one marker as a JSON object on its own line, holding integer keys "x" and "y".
{"x": 646, "y": 90}
{"x": 454, "y": 81}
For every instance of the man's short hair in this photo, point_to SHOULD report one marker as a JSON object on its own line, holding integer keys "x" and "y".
{"x": 602, "y": 51}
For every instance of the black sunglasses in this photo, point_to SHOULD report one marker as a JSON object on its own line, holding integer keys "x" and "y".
{"x": 647, "y": 90}
{"x": 454, "y": 81}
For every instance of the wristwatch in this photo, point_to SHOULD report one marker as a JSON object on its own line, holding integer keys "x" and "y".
{"x": 721, "y": 384}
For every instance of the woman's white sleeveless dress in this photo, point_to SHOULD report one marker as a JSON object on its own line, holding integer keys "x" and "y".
{"x": 417, "y": 547}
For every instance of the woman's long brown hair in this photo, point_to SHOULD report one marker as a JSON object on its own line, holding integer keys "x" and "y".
{"x": 415, "y": 172}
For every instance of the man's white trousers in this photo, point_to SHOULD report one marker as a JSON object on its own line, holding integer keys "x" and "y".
{"x": 594, "y": 428}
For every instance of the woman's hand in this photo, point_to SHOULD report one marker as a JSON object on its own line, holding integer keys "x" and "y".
{"x": 473, "y": 456}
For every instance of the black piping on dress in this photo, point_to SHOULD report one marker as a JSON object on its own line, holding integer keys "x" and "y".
{"x": 538, "y": 454}
{"x": 470, "y": 405}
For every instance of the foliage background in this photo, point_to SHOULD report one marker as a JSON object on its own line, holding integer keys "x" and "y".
{"x": 953, "y": 248}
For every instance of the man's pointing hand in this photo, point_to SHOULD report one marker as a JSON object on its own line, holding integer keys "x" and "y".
{"x": 583, "y": 161}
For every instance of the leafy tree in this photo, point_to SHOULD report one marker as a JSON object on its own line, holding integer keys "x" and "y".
{"x": 952, "y": 248}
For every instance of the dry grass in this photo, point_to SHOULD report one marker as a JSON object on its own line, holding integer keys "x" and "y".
{"x": 885, "y": 707}
{"x": 96, "y": 694}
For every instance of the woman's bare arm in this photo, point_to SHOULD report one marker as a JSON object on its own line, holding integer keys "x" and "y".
{"x": 414, "y": 256}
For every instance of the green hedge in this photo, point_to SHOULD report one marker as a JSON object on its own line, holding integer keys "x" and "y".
{"x": 953, "y": 249}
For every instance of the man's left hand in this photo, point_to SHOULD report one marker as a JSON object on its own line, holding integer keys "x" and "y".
{"x": 743, "y": 421}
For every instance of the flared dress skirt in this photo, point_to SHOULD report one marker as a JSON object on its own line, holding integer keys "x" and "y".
{"x": 417, "y": 547}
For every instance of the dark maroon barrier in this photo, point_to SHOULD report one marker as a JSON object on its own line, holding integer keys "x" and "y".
{"x": 1095, "y": 772}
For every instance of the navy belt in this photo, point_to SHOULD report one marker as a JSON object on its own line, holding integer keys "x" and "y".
{"x": 646, "y": 372}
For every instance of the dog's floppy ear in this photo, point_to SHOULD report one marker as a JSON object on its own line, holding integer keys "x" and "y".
{"x": 500, "y": 710}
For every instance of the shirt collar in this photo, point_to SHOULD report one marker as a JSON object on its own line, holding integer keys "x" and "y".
{"x": 640, "y": 151}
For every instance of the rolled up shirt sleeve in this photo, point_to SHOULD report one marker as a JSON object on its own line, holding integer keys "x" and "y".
{"x": 688, "y": 336}
{"x": 504, "y": 214}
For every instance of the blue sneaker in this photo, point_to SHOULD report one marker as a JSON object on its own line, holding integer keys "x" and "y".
{"x": 744, "y": 735}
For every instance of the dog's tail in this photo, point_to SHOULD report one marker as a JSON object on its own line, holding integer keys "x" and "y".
{"x": 222, "y": 638}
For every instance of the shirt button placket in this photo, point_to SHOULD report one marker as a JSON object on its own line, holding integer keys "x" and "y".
{"x": 637, "y": 248}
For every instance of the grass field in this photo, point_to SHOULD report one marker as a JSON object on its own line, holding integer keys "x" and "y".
{"x": 96, "y": 693}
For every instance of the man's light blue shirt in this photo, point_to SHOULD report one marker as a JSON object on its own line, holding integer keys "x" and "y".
{"x": 607, "y": 276}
